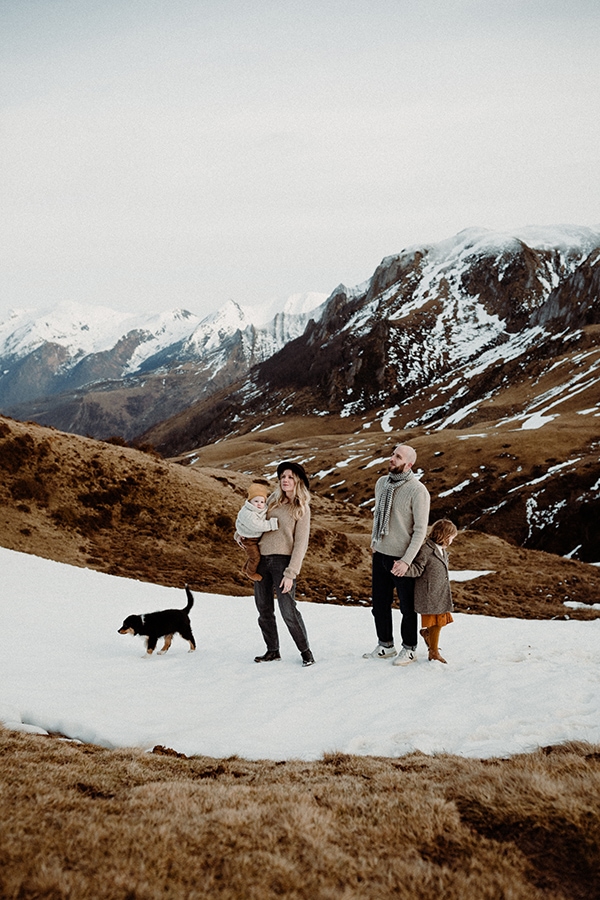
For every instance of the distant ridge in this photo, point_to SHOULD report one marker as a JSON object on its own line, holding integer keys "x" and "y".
{"x": 51, "y": 360}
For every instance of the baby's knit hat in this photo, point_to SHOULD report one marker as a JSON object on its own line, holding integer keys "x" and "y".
{"x": 257, "y": 490}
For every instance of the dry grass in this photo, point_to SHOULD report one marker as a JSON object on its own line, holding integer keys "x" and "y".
{"x": 81, "y": 822}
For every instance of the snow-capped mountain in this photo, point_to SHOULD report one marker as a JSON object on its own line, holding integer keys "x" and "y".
{"x": 214, "y": 335}
{"x": 433, "y": 321}
{"x": 487, "y": 338}
{"x": 84, "y": 330}
{"x": 438, "y": 329}
{"x": 47, "y": 352}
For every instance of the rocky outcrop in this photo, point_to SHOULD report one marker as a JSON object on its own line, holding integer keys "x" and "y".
{"x": 576, "y": 302}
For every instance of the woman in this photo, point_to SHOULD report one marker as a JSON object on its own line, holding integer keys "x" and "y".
{"x": 282, "y": 552}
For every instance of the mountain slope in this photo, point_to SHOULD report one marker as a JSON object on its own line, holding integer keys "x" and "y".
{"x": 115, "y": 509}
{"x": 100, "y": 372}
{"x": 483, "y": 338}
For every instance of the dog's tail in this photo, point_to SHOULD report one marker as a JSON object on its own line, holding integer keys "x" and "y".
{"x": 190, "y": 597}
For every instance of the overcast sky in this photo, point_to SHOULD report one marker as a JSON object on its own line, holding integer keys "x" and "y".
{"x": 179, "y": 154}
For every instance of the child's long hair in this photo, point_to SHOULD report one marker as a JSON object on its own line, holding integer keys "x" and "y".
{"x": 300, "y": 501}
{"x": 442, "y": 530}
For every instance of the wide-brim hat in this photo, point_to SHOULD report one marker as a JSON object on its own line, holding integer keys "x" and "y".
{"x": 296, "y": 468}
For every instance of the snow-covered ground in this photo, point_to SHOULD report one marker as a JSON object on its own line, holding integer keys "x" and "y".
{"x": 510, "y": 685}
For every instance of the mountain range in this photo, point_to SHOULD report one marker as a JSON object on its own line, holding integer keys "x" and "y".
{"x": 94, "y": 370}
{"x": 482, "y": 350}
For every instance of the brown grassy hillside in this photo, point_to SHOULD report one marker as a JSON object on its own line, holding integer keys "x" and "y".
{"x": 511, "y": 450}
{"x": 125, "y": 512}
{"x": 84, "y": 823}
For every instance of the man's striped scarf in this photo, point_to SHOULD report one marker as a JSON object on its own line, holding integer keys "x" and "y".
{"x": 383, "y": 508}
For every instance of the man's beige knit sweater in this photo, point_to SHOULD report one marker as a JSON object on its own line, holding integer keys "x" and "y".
{"x": 290, "y": 539}
{"x": 408, "y": 520}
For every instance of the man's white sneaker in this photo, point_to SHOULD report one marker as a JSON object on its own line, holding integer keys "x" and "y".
{"x": 405, "y": 657}
{"x": 381, "y": 652}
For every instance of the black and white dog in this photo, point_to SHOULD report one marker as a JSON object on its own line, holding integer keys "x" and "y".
{"x": 165, "y": 623}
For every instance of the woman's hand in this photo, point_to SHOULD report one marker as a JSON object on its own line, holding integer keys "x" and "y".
{"x": 286, "y": 584}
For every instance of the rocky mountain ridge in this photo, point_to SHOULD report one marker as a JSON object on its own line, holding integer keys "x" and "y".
{"x": 57, "y": 362}
{"x": 437, "y": 331}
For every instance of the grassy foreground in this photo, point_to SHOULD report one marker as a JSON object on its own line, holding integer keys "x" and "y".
{"x": 82, "y": 822}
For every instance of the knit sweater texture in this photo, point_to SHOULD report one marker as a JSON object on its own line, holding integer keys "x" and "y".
{"x": 290, "y": 539}
{"x": 408, "y": 520}
{"x": 252, "y": 522}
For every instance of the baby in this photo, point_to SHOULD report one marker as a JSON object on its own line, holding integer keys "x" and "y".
{"x": 250, "y": 525}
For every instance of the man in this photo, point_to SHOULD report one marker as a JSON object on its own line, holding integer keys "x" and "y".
{"x": 400, "y": 520}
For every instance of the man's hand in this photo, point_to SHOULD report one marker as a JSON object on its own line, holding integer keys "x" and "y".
{"x": 286, "y": 584}
{"x": 399, "y": 568}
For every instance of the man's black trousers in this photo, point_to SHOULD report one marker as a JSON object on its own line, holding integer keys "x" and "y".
{"x": 384, "y": 584}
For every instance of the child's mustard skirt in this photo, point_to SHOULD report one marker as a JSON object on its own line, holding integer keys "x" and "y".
{"x": 432, "y": 621}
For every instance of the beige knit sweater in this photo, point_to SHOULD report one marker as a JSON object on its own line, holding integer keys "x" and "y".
{"x": 290, "y": 539}
{"x": 408, "y": 520}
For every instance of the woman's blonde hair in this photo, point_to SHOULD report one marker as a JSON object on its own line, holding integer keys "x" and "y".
{"x": 442, "y": 530}
{"x": 300, "y": 501}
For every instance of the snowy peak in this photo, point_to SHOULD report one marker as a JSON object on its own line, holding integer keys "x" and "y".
{"x": 305, "y": 304}
{"x": 569, "y": 240}
{"x": 437, "y": 327}
{"x": 78, "y": 328}
{"x": 82, "y": 330}
{"x": 70, "y": 345}
{"x": 495, "y": 274}
{"x": 216, "y": 328}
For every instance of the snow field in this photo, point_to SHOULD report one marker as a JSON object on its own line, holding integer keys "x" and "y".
{"x": 510, "y": 685}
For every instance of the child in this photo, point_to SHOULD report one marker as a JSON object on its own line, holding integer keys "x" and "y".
{"x": 250, "y": 525}
{"x": 433, "y": 598}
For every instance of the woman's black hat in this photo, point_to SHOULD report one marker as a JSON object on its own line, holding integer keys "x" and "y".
{"x": 296, "y": 468}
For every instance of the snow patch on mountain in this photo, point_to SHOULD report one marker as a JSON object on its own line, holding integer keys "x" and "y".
{"x": 83, "y": 330}
{"x": 300, "y": 304}
{"x": 572, "y": 241}
{"x": 212, "y": 339}
{"x": 215, "y": 328}
{"x": 86, "y": 330}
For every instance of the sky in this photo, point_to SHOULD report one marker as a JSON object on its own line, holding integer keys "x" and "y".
{"x": 162, "y": 155}
{"x": 64, "y": 668}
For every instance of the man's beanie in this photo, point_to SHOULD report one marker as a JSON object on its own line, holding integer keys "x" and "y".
{"x": 257, "y": 490}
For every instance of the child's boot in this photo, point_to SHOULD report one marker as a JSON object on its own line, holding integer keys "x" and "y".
{"x": 434, "y": 638}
